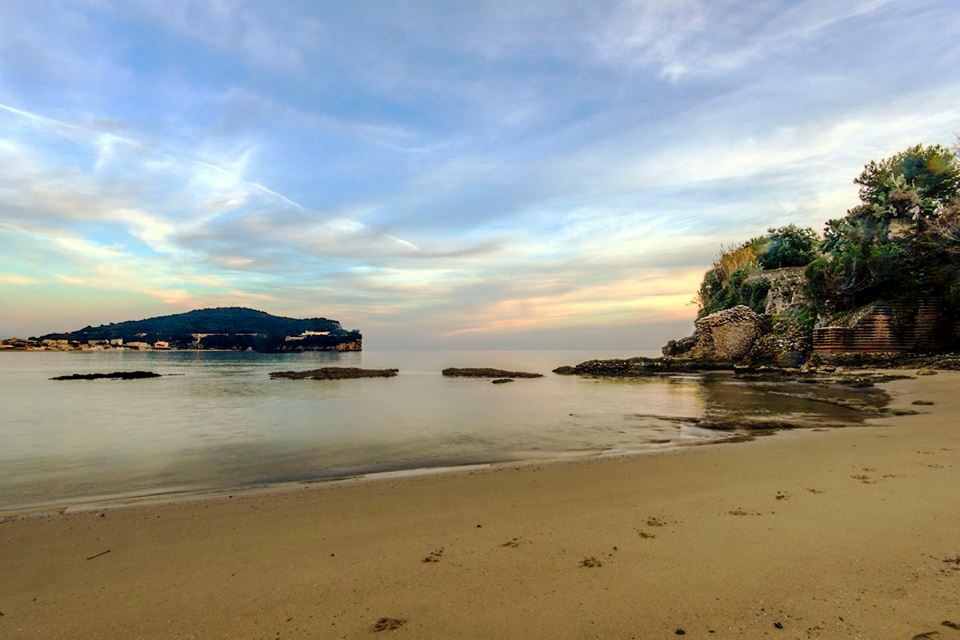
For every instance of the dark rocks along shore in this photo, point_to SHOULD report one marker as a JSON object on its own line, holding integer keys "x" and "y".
{"x": 334, "y": 373}
{"x": 454, "y": 372}
{"x": 116, "y": 375}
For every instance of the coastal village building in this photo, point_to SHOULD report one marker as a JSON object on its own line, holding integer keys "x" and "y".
{"x": 305, "y": 334}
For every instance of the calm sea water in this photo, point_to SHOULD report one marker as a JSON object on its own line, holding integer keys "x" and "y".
{"x": 216, "y": 420}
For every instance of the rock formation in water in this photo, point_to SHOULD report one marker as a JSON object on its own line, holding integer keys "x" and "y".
{"x": 333, "y": 373}
{"x": 116, "y": 375}
{"x": 453, "y": 372}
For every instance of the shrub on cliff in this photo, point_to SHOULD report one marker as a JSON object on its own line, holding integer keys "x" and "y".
{"x": 901, "y": 241}
{"x": 739, "y": 289}
{"x": 789, "y": 246}
{"x": 911, "y": 184}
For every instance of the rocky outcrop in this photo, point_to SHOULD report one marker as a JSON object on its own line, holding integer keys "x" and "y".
{"x": 726, "y": 336}
{"x": 678, "y": 348}
{"x": 637, "y": 367}
{"x": 453, "y": 372}
{"x": 333, "y": 373}
{"x": 116, "y": 375}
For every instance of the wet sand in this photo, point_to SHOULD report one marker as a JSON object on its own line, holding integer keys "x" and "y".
{"x": 849, "y": 533}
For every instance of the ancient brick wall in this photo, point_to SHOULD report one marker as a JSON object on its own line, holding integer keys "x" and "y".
{"x": 888, "y": 328}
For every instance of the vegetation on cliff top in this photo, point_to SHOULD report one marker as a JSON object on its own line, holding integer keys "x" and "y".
{"x": 729, "y": 282}
{"x": 902, "y": 241}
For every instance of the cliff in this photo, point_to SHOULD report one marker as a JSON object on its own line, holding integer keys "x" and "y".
{"x": 882, "y": 279}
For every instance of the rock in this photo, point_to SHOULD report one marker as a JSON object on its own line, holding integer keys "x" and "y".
{"x": 453, "y": 372}
{"x": 922, "y": 403}
{"x": 333, "y": 373}
{"x": 787, "y": 288}
{"x": 116, "y": 375}
{"x": 776, "y": 350}
{"x": 502, "y": 380}
{"x": 639, "y": 366}
{"x": 726, "y": 336}
{"x": 926, "y": 372}
{"x": 679, "y": 347}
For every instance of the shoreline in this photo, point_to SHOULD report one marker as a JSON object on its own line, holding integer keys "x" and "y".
{"x": 846, "y": 533}
{"x": 173, "y": 496}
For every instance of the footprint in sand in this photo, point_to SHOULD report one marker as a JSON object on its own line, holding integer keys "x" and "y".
{"x": 742, "y": 512}
{"x": 644, "y": 535}
{"x": 513, "y": 543}
{"x": 433, "y": 556}
{"x": 657, "y": 521}
{"x": 864, "y": 479}
{"x": 590, "y": 563}
{"x": 816, "y": 491}
{"x": 781, "y": 495}
{"x": 389, "y": 624}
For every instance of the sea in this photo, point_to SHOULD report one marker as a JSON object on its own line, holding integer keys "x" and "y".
{"x": 216, "y": 421}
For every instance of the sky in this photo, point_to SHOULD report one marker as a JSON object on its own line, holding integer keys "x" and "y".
{"x": 540, "y": 175}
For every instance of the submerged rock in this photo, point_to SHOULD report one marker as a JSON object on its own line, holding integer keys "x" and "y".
{"x": 502, "y": 380}
{"x": 453, "y": 372}
{"x": 333, "y": 373}
{"x": 116, "y": 375}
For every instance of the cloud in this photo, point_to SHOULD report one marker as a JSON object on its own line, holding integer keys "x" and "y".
{"x": 13, "y": 279}
{"x": 699, "y": 38}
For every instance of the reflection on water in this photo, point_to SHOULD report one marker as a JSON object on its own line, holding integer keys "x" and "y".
{"x": 215, "y": 420}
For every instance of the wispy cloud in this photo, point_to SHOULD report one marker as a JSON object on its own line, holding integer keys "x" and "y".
{"x": 8, "y": 278}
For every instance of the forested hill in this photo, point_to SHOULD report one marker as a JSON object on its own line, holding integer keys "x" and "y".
{"x": 223, "y": 320}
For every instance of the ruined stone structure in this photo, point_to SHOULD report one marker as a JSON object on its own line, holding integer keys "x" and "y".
{"x": 886, "y": 328}
{"x": 787, "y": 289}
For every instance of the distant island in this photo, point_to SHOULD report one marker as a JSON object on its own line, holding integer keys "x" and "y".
{"x": 222, "y": 328}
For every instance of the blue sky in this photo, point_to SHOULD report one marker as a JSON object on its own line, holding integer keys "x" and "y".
{"x": 438, "y": 174}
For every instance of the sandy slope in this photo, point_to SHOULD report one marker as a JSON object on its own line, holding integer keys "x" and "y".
{"x": 855, "y": 549}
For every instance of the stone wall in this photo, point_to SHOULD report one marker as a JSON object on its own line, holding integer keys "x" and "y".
{"x": 886, "y": 328}
{"x": 788, "y": 288}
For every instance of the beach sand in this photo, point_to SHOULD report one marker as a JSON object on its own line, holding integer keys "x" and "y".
{"x": 848, "y": 533}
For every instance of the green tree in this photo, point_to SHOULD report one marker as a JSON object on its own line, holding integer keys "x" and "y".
{"x": 789, "y": 246}
{"x": 912, "y": 184}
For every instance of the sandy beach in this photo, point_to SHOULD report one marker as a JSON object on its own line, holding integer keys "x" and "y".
{"x": 848, "y": 533}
